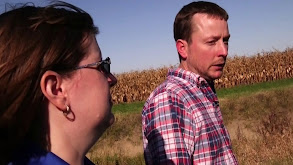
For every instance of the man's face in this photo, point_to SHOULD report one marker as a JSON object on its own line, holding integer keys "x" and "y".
{"x": 208, "y": 49}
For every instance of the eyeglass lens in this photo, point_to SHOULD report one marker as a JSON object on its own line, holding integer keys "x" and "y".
{"x": 105, "y": 66}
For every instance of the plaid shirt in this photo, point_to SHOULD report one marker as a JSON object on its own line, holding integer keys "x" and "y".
{"x": 182, "y": 123}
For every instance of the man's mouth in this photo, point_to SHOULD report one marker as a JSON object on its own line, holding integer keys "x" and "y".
{"x": 219, "y": 66}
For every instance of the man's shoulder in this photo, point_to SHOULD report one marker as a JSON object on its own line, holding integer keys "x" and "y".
{"x": 172, "y": 89}
{"x": 170, "y": 86}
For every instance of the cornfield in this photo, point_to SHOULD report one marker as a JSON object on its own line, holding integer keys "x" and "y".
{"x": 266, "y": 66}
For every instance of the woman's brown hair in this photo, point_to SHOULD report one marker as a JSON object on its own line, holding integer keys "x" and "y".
{"x": 32, "y": 41}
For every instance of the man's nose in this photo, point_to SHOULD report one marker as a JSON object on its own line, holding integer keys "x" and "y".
{"x": 223, "y": 49}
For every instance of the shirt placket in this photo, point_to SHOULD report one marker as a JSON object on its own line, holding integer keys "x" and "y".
{"x": 211, "y": 96}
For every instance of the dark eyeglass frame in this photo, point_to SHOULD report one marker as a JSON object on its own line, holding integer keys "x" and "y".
{"x": 103, "y": 66}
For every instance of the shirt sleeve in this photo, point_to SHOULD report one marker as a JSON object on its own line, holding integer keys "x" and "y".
{"x": 167, "y": 130}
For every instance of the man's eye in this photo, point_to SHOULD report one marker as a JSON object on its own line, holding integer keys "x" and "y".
{"x": 211, "y": 42}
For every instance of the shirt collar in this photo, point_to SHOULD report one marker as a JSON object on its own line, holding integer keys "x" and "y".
{"x": 191, "y": 77}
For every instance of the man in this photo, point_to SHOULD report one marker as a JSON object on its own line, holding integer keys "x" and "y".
{"x": 182, "y": 122}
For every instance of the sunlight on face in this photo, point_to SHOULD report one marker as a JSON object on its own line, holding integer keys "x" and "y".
{"x": 209, "y": 47}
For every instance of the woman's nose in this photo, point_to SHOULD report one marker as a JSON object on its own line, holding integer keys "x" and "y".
{"x": 112, "y": 79}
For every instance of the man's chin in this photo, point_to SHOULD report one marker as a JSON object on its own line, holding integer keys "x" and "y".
{"x": 216, "y": 75}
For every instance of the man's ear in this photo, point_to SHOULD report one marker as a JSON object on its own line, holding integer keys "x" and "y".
{"x": 182, "y": 47}
{"x": 52, "y": 88}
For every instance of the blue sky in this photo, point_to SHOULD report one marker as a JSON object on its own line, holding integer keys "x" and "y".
{"x": 138, "y": 34}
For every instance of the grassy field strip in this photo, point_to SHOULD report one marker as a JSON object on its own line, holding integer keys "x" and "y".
{"x": 258, "y": 117}
{"x": 248, "y": 89}
{"x": 222, "y": 94}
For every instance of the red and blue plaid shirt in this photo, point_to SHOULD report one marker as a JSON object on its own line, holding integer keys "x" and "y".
{"x": 182, "y": 123}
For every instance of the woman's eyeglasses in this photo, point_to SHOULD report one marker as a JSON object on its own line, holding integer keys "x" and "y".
{"x": 103, "y": 66}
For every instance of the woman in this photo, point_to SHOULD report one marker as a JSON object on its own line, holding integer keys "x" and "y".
{"x": 54, "y": 97}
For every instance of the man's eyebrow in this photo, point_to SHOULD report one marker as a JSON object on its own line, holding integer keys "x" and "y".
{"x": 227, "y": 37}
{"x": 213, "y": 37}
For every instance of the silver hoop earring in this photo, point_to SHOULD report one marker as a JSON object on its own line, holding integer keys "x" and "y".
{"x": 67, "y": 111}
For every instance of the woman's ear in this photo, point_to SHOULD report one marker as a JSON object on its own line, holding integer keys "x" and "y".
{"x": 52, "y": 88}
{"x": 182, "y": 47}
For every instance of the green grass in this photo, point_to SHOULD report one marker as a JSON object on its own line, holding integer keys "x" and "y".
{"x": 128, "y": 107}
{"x": 256, "y": 104}
{"x": 222, "y": 93}
{"x": 248, "y": 89}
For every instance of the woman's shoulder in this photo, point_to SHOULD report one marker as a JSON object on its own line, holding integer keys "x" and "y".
{"x": 38, "y": 158}
{"x": 31, "y": 154}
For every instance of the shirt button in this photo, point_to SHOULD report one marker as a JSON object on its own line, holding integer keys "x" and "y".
{"x": 215, "y": 104}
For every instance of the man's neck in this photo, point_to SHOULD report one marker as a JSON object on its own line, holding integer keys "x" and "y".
{"x": 212, "y": 85}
